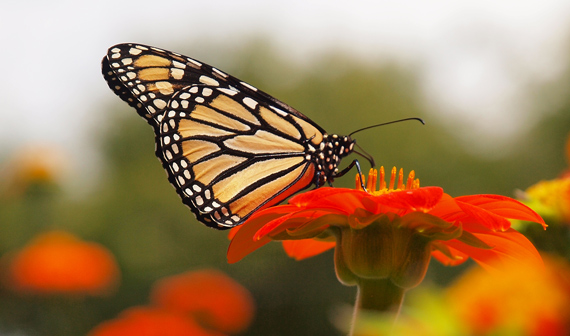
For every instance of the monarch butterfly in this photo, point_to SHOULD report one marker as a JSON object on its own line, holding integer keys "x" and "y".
{"x": 228, "y": 148}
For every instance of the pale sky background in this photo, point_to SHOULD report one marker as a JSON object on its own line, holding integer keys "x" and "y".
{"x": 476, "y": 57}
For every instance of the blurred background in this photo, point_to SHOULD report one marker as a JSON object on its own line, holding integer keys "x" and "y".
{"x": 490, "y": 80}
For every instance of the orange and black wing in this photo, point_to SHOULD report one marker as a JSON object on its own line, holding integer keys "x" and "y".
{"x": 228, "y": 148}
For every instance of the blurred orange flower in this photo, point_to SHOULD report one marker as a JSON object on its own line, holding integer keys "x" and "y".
{"x": 60, "y": 263}
{"x": 150, "y": 321}
{"x": 198, "y": 303}
{"x": 215, "y": 300}
{"x": 518, "y": 300}
{"x": 398, "y": 222}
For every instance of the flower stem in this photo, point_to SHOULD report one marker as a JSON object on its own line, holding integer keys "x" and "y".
{"x": 376, "y": 296}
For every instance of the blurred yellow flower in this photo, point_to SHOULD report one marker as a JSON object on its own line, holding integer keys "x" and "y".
{"x": 551, "y": 199}
{"x": 59, "y": 263}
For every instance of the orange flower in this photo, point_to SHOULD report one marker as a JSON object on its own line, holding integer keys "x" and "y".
{"x": 58, "y": 262}
{"x": 391, "y": 233}
{"x": 500, "y": 303}
{"x": 215, "y": 300}
{"x": 148, "y": 321}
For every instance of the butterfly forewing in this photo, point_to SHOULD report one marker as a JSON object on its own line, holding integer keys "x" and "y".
{"x": 228, "y": 148}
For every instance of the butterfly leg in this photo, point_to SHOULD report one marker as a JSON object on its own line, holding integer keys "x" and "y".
{"x": 348, "y": 168}
{"x": 317, "y": 180}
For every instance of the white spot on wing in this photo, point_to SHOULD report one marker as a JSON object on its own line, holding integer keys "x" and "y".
{"x": 219, "y": 72}
{"x": 177, "y": 73}
{"x": 250, "y": 102}
{"x": 198, "y": 64}
{"x": 249, "y": 86}
{"x": 178, "y": 64}
{"x": 174, "y": 148}
{"x": 208, "y": 80}
{"x": 279, "y": 111}
{"x": 227, "y": 91}
{"x": 159, "y": 103}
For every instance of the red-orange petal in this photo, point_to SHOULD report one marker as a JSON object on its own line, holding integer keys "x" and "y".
{"x": 484, "y": 217}
{"x": 339, "y": 199}
{"x": 243, "y": 243}
{"x": 306, "y": 248}
{"x": 507, "y": 246}
{"x": 451, "y": 257}
{"x": 209, "y": 296}
{"x": 503, "y": 206}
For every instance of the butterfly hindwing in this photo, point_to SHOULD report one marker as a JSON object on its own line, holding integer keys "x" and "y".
{"x": 221, "y": 157}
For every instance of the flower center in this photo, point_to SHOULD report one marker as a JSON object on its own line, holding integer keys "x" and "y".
{"x": 411, "y": 182}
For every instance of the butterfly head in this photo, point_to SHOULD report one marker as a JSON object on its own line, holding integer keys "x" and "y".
{"x": 329, "y": 154}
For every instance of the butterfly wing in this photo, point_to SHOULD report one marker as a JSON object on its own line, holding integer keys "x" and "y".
{"x": 228, "y": 148}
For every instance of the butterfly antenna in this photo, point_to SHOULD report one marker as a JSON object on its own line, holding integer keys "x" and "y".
{"x": 365, "y": 155}
{"x": 387, "y": 123}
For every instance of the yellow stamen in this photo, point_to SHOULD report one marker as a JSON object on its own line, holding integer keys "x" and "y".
{"x": 372, "y": 177}
{"x": 411, "y": 181}
{"x": 392, "y": 178}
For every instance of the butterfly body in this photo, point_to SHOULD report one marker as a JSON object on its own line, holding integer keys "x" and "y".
{"x": 228, "y": 148}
